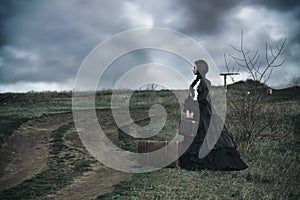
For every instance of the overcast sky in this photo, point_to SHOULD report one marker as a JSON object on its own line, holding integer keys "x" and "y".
{"x": 43, "y": 43}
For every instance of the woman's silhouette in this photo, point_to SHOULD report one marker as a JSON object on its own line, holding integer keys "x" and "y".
{"x": 223, "y": 155}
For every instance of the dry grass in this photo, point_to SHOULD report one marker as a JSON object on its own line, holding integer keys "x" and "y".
{"x": 273, "y": 156}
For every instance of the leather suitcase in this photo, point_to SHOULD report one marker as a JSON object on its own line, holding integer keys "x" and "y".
{"x": 188, "y": 128}
{"x": 146, "y": 146}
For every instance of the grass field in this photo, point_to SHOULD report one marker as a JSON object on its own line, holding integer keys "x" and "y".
{"x": 273, "y": 160}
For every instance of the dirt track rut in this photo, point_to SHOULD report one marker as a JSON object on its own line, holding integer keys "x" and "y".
{"x": 26, "y": 153}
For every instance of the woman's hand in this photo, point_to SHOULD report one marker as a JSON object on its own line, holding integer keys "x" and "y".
{"x": 189, "y": 114}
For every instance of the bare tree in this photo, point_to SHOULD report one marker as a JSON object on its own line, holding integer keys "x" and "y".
{"x": 250, "y": 117}
{"x": 259, "y": 69}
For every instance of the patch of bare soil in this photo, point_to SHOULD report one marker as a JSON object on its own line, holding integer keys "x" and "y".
{"x": 91, "y": 184}
{"x": 25, "y": 152}
{"x": 100, "y": 179}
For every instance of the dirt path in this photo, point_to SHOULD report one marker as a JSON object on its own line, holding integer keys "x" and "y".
{"x": 26, "y": 153}
{"x": 92, "y": 184}
{"x": 99, "y": 180}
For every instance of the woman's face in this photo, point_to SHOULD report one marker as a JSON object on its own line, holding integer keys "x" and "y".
{"x": 195, "y": 69}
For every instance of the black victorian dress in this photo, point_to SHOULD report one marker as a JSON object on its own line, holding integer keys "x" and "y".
{"x": 224, "y": 154}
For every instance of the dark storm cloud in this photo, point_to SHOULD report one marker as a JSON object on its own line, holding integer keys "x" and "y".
{"x": 206, "y": 17}
{"x": 287, "y": 5}
{"x": 6, "y": 9}
{"x": 9, "y": 9}
{"x": 209, "y": 17}
{"x": 46, "y": 41}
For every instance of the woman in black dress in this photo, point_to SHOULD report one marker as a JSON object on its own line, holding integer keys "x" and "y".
{"x": 223, "y": 155}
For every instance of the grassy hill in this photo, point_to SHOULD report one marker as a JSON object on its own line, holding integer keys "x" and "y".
{"x": 273, "y": 161}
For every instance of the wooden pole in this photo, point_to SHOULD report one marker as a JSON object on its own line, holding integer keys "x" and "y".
{"x": 225, "y": 78}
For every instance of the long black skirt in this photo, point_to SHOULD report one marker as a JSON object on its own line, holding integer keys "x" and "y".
{"x": 222, "y": 157}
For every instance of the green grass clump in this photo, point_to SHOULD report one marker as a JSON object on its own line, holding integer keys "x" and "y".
{"x": 9, "y": 124}
{"x": 57, "y": 143}
{"x": 82, "y": 166}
